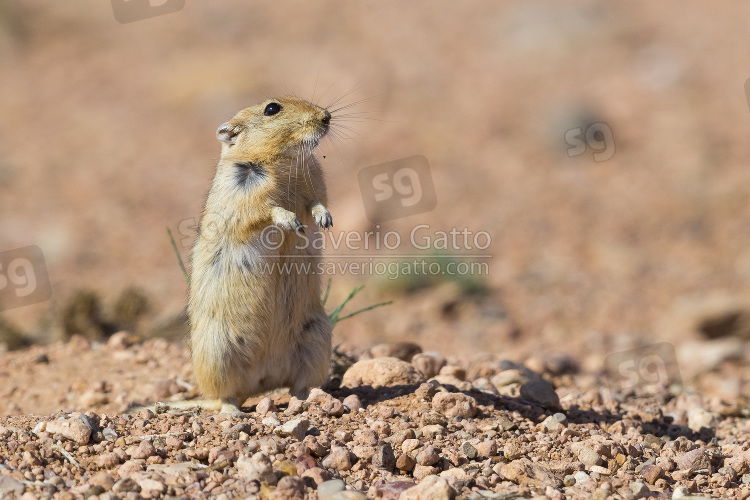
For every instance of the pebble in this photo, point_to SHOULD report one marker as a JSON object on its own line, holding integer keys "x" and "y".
{"x": 389, "y": 491}
{"x": 338, "y": 459}
{"x": 288, "y": 487}
{"x": 353, "y": 402}
{"x": 256, "y": 467}
{"x": 11, "y": 485}
{"x": 487, "y": 448}
{"x": 454, "y": 404}
{"x": 431, "y": 487}
{"x": 640, "y": 490}
{"x": 652, "y": 473}
{"x": 381, "y": 372}
{"x": 695, "y": 460}
{"x": 468, "y": 449}
{"x": 428, "y": 456}
{"x": 406, "y": 463}
{"x": 540, "y": 392}
{"x": 328, "y": 488}
{"x": 144, "y": 450}
{"x": 553, "y": 421}
{"x": 524, "y": 472}
{"x": 107, "y": 460}
{"x": 384, "y": 458}
{"x": 295, "y": 428}
{"x": 74, "y": 429}
{"x": 569, "y": 480}
{"x": 429, "y": 364}
{"x": 266, "y": 405}
{"x": 126, "y": 485}
{"x": 405, "y": 351}
{"x": 589, "y": 456}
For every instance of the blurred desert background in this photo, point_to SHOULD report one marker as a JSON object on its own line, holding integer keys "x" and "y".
{"x": 107, "y": 138}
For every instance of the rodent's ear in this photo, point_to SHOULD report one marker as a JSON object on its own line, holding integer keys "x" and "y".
{"x": 227, "y": 133}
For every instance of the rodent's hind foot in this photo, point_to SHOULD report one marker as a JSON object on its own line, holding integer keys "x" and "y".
{"x": 231, "y": 406}
{"x": 322, "y": 216}
{"x": 286, "y": 219}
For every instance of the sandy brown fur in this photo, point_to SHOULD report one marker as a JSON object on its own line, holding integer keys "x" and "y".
{"x": 253, "y": 331}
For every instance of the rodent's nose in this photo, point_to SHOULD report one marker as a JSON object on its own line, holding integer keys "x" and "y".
{"x": 326, "y": 117}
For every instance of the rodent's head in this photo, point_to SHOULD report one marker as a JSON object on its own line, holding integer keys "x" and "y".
{"x": 275, "y": 128}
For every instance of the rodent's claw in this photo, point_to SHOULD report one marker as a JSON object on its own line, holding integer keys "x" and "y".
{"x": 323, "y": 218}
{"x": 287, "y": 220}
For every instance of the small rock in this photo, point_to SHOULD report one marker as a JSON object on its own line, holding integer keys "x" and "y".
{"x": 338, "y": 459}
{"x": 524, "y": 472}
{"x": 107, "y": 460}
{"x": 130, "y": 467}
{"x": 152, "y": 485}
{"x": 143, "y": 450}
{"x": 317, "y": 475}
{"x": 389, "y": 491}
{"x": 428, "y": 456}
{"x": 404, "y": 351}
{"x": 266, "y": 405}
{"x": 409, "y": 445}
{"x": 589, "y": 456}
{"x": 126, "y": 485}
{"x": 384, "y": 458}
{"x": 453, "y": 404}
{"x": 353, "y": 402}
{"x": 695, "y": 460}
{"x": 295, "y": 428}
{"x": 328, "y": 488}
{"x": 540, "y": 392}
{"x": 487, "y": 448}
{"x": 121, "y": 341}
{"x": 681, "y": 492}
{"x": 553, "y": 421}
{"x": 366, "y": 437}
{"x": 10, "y": 485}
{"x": 74, "y": 429}
{"x": 429, "y": 364}
{"x": 406, "y": 463}
{"x": 427, "y": 390}
{"x": 700, "y": 417}
{"x": 651, "y": 473}
{"x": 569, "y": 480}
{"x": 381, "y": 372}
{"x": 431, "y": 487}
{"x": 295, "y": 406}
{"x": 257, "y": 467}
{"x": 103, "y": 479}
{"x": 640, "y": 490}
{"x": 468, "y": 449}
{"x": 513, "y": 451}
{"x": 422, "y": 471}
{"x": 289, "y": 487}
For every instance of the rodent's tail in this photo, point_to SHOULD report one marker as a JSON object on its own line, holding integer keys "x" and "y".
{"x": 179, "y": 407}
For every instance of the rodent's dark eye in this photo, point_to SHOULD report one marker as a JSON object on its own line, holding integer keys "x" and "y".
{"x": 272, "y": 109}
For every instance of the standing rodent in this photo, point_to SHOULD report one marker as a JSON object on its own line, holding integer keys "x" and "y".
{"x": 256, "y": 326}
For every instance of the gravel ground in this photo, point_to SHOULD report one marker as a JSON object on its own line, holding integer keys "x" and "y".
{"x": 399, "y": 423}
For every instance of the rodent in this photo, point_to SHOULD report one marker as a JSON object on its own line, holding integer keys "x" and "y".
{"x": 252, "y": 330}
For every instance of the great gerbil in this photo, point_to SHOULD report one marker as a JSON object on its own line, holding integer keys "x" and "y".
{"x": 257, "y": 325}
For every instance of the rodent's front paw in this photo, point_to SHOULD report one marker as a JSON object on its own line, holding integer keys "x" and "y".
{"x": 322, "y": 216}
{"x": 287, "y": 220}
